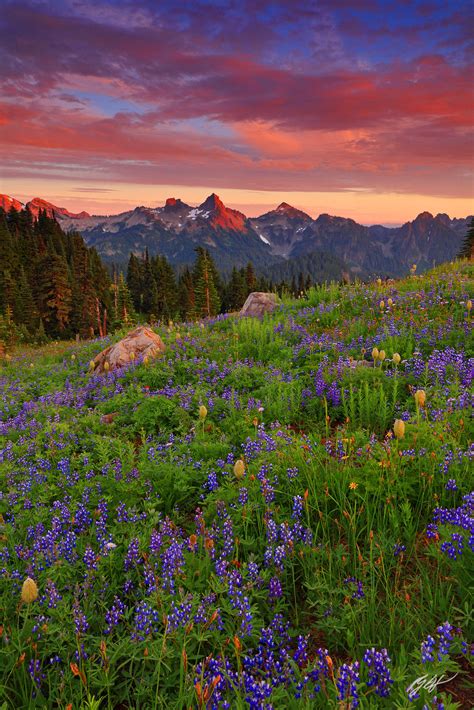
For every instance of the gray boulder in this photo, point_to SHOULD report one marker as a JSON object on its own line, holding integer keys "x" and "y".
{"x": 139, "y": 343}
{"x": 259, "y": 303}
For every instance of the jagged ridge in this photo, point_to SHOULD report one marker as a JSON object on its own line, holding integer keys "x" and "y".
{"x": 176, "y": 229}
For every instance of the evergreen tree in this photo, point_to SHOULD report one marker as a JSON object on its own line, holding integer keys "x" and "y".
{"x": 135, "y": 281}
{"x": 301, "y": 284}
{"x": 24, "y": 307}
{"x": 40, "y": 335}
{"x": 125, "y": 315}
{"x": 48, "y": 277}
{"x": 83, "y": 315}
{"x": 236, "y": 291}
{"x": 186, "y": 295}
{"x": 467, "y": 248}
{"x": 167, "y": 292}
{"x": 55, "y": 294}
{"x": 293, "y": 286}
{"x": 250, "y": 278}
{"x": 149, "y": 304}
{"x": 204, "y": 277}
{"x": 7, "y": 261}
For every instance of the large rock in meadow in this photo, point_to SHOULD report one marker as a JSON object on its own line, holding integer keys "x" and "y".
{"x": 139, "y": 343}
{"x": 259, "y": 303}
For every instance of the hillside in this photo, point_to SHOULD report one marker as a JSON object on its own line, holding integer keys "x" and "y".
{"x": 275, "y": 513}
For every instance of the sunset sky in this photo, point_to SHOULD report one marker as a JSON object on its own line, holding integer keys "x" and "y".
{"x": 358, "y": 108}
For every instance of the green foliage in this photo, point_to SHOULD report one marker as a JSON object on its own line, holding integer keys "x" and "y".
{"x": 51, "y": 284}
{"x": 206, "y": 281}
{"x": 467, "y": 248}
{"x": 256, "y": 338}
{"x": 371, "y": 400}
{"x": 158, "y": 415}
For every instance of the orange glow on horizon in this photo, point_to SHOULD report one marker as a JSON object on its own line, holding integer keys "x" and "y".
{"x": 364, "y": 206}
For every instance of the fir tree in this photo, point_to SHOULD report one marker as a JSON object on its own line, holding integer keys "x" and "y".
{"x": 135, "y": 281}
{"x": 204, "y": 277}
{"x": 250, "y": 278}
{"x": 167, "y": 292}
{"x": 236, "y": 291}
{"x": 293, "y": 286}
{"x": 186, "y": 295}
{"x": 301, "y": 284}
{"x": 125, "y": 315}
{"x": 55, "y": 294}
{"x": 467, "y": 248}
{"x": 24, "y": 307}
{"x": 49, "y": 275}
{"x": 149, "y": 302}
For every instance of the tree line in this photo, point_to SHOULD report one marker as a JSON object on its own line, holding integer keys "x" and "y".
{"x": 156, "y": 291}
{"x": 51, "y": 284}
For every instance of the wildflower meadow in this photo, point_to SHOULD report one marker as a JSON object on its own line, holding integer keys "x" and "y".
{"x": 276, "y": 513}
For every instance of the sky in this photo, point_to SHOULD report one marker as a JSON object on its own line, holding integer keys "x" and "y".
{"x": 360, "y": 108}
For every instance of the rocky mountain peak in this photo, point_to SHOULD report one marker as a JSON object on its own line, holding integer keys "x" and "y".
{"x": 424, "y": 217}
{"x": 173, "y": 202}
{"x": 443, "y": 218}
{"x": 37, "y": 204}
{"x": 213, "y": 202}
{"x": 7, "y": 202}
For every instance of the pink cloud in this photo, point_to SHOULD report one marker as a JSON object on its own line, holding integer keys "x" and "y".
{"x": 405, "y": 124}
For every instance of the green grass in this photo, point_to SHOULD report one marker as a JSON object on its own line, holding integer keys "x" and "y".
{"x": 332, "y": 511}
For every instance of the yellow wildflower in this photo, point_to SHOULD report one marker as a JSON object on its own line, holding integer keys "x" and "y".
{"x": 420, "y": 398}
{"x": 239, "y": 468}
{"x": 29, "y": 591}
{"x": 399, "y": 428}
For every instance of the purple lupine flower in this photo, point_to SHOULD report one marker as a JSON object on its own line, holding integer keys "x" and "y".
{"x": 358, "y": 593}
{"x": 80, "y": 621}
{"x": 297, "y": 507}
{"x": 379, "y": 672}
{"x": 114, "y": 615}
{"x": 89, "y": 558}
{"x": 133, "y": 554}
{"x": 445, "y": 639}
{"x": 427, "y": 649}
{"x": 346, "y": 683}
{"x": 179, "y": 615}
{"x": 275, "y": 590}
{"x": 145, "y": 622}
{"x": 243, "y": 496}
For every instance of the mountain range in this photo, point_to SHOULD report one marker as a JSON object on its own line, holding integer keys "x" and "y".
{"x": 282, "y": 235}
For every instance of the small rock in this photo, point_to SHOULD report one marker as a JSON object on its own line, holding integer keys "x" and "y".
{"x": 108, "y": 418}
{"x": 361, "y": 363}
